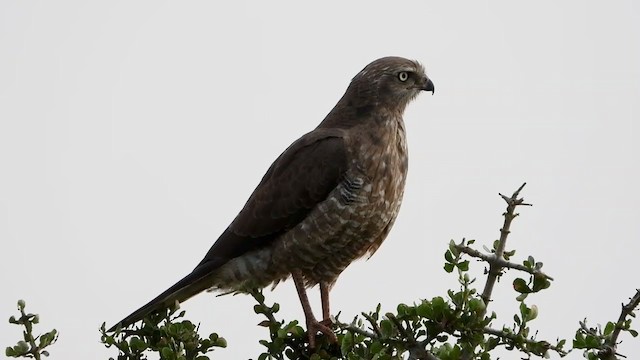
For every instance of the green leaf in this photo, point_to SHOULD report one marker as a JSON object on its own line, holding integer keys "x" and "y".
{"x": 448, "y": 256}
{"x": 579, "y": 342}
{"x": 464, "y": 266}
{"x": 452, "y": 247}
{"x": 633, "y": 332}
{"x": 533, "y": 312}
{"x": 521, "y": 286}
{"x": 540, "y": 283}
{"x": 347, "y": 343}
{"x": 524, "y": 311}
{"x": 424, "y": 309}
{"x": 477, "y": 305}
{"x": 448, "y": 267}
{"x": 167, "y": 353}
{"x": 438, "y": 305}
{"x": 608, "y": 329}
{"x": 258, "y": 296}
{"x": 386, "y": 328}
{"x": 137, "y": 344}
{"x": 376, "y": 347}
{"x": 10, "y": 352}
{"x": 508, "y": 254}
{"x": 495, "y": 244}
{"x": 592, "y": 342}
{"x": 22, "y": 346}
{"x": 402, "y": 309}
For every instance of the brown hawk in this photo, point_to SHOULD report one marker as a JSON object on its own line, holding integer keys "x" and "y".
{"x": 328, "y": 199}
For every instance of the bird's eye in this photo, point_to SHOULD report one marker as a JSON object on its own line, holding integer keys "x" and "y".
{"x": 403, "y": 76}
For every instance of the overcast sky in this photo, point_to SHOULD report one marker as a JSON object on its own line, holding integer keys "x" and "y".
{"x": 131, "y": 133}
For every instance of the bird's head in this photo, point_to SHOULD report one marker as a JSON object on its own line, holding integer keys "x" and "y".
{"x": 391, "y": 82}
{"x": 382, "y": 88}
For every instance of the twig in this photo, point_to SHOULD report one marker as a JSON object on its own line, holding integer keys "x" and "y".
{"x": 374, "y": 324}
{"x": 587, "y": 330}
{"x": 260, "y": 299}
{"x": 611, "y": 343}
{"x": 405, "y": 334}
{"x": 506, "y": 335}
{"x": 353, "y": 328}
{"x": 494, "y": 268}
{"x": 26, "y": 321}
{"x": 498, "y": 261}
{"x": 416, "y": 349}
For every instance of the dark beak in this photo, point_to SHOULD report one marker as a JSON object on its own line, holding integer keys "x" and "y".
{"x": 428, "y": 86}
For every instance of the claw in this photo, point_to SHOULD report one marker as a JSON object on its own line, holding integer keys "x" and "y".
{"x": 328, "y": 322}
{"x": 313, "y": 326}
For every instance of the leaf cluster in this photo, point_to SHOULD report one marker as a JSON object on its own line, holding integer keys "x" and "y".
{"x": 162, "y": 333}
{"x": 31, "y": 346}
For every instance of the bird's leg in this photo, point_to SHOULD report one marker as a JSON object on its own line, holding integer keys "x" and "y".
{"x": 313, "y": 326}
{"x": 324, "y": 297}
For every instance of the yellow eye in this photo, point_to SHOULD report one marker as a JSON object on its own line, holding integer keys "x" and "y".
{"x": 403, "y": 76}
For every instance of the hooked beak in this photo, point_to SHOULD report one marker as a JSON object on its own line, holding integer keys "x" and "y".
{"x": 428, "y": 86}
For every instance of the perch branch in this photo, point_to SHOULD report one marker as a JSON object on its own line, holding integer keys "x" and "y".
{"x": 494, "y": 268}
{"x": 507, "y": 335}
{"x": 499, "y": 261}
{"x": 609, "y": 351}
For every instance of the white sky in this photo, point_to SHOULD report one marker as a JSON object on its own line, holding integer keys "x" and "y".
{"x": 131, "y": 133}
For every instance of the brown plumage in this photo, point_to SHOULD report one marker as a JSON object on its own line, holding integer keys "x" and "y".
{"x": 328, "y": 199}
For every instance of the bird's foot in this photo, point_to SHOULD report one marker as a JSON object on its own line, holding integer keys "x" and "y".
{"x": 313, "y": 326}
{"x": 328, "y": 322}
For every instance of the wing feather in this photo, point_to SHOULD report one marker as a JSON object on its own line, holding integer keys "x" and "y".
{"x": 302, "y": 176}
{"x": 296, "y": 182}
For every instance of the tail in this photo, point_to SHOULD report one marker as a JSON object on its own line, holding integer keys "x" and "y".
{"x": 190, "y": 285}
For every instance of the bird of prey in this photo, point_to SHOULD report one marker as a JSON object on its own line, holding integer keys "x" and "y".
{"x": 330, "y": 198}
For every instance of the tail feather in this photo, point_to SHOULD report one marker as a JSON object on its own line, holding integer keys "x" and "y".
{"x": 190, "y": 285}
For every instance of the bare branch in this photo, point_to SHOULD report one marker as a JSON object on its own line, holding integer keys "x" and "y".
{"x": 417, "y": 350}
{"x": 374, "y": 324}
{"x": 495, "y": 269}
{"x": 611, "y": 343}
{"x": 495, "y": 266}
{"x": 498, "y": 261}
{"x": 406, "y": 334}
{"x": 511, "y": 336}
{"x": 586, "y": 329}
{"x": 355, "y": 329}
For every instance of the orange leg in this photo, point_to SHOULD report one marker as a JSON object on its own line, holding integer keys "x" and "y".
{"x": 324, "y": 297}
{"x": 313, "y": 325}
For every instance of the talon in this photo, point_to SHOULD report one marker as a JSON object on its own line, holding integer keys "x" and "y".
{"x": 313, "y": 326}
{"x": 328, "y": 322}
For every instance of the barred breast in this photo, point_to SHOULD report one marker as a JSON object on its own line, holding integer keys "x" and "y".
{"x": 354, "y": 219}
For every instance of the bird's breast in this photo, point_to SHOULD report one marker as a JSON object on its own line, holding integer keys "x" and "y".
{"x": 358, "y": 214}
